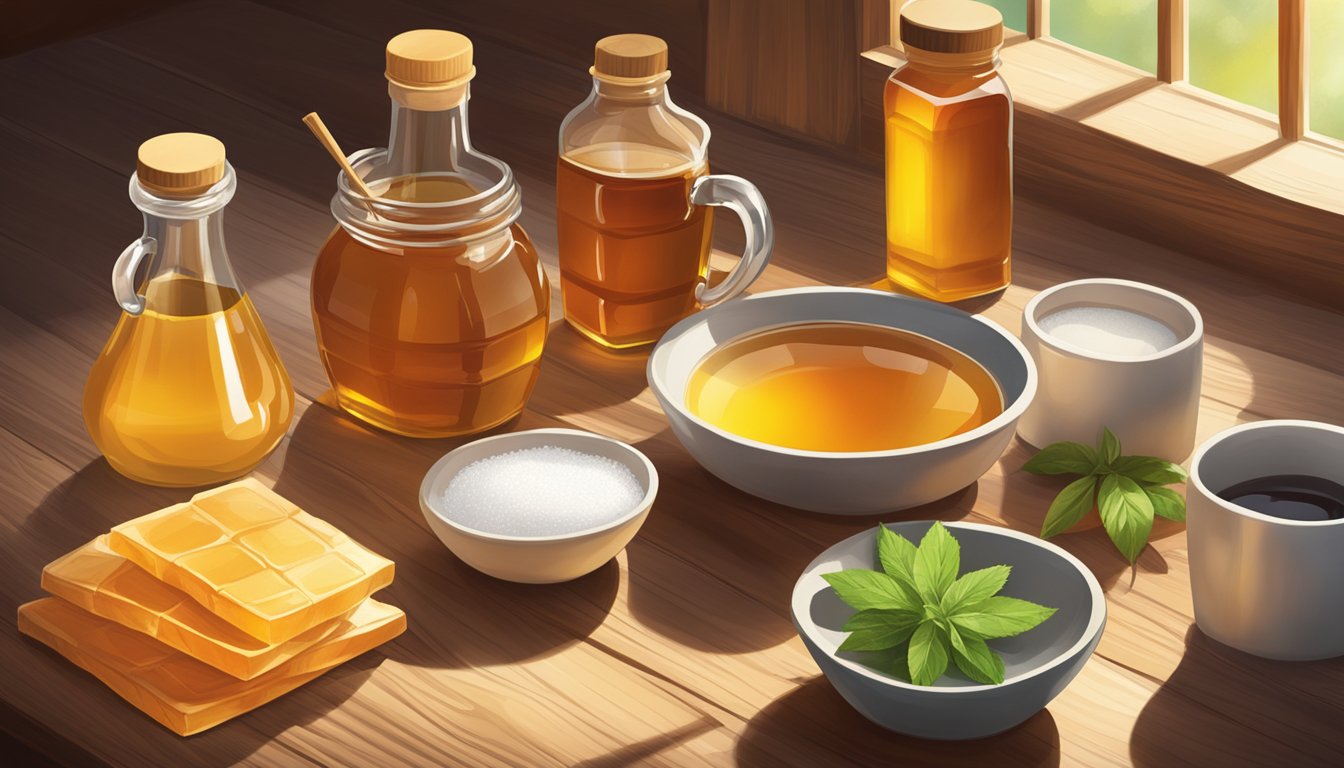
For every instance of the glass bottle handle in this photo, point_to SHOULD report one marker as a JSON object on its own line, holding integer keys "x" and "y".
{"x": 123, "y": 274}
{"x": 744, "y": 199}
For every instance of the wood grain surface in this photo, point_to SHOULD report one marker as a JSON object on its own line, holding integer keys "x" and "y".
{"x": 678, "y": 652}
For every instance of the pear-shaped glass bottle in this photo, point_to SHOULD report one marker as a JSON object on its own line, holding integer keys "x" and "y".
{"x": 430, "y": 304}
{"x": 188, "y": 390}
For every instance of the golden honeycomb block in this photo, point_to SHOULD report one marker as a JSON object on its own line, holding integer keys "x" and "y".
{"x": 183, "y": 694}
{"x": 254, "y": 559}
{"x": 106, "y": 584}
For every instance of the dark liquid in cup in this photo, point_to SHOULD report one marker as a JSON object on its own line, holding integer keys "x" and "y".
{"x": 1290, "y": 497}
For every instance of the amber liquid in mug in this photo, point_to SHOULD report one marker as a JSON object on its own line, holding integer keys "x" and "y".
{"x": 842, "y": 387}
{"x": 190, "y": 391}
{"x": 632, "y": 247}
{"x": 949, "y": 186}
{"x": 430, "y": 342}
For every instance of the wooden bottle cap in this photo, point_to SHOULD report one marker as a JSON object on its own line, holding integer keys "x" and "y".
{"x": 630, "y": 56}
{"x": 430, "y": 59}
{"x": 951, "y": 26}
{"x": 180, "y": 163}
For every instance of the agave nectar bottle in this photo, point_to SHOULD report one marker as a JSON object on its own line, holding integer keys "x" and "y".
{"x": 188, "y": 390}
{"x": 949, "y": 154}
{"x": 430, "y": 304}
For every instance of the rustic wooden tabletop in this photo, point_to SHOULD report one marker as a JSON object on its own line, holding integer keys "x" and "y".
{"x": 680, "y": 651}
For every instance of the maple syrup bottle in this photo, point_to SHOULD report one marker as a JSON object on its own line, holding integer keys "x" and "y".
{"x": 949, "y": 154}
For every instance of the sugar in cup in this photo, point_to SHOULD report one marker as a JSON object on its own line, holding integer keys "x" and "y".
{"x": 1117, "y": 354}
{"x": 539, "y": 506}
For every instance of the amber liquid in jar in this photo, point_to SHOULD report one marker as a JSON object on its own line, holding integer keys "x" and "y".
{"x": 190, "y": 392}
{"x": 632, "y": 247}
{"x": 949, "y": 181}
{"x": 430, "y": 342}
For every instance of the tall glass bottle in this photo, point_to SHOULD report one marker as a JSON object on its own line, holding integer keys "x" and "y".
{"x": 430, "y": 304}
{"x": 188, "y": 390}
{"x": 949, "y": 154}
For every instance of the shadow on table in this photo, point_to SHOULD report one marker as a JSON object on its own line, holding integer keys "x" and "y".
{"x": 814, "y": 725}
{"x": 577, "y": 375}
{"x": 87, "y": 504}
{"x": 643, "y": 750}
{"x": 1228, "y": 708}
{"x": 229, "y": 743}
{"x": 367, "y": 483}
{"x": 713, "y": 567}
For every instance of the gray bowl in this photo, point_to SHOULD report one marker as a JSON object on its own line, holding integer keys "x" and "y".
{"x": 1038, "y": 664}
{"x": 853, "y": 482}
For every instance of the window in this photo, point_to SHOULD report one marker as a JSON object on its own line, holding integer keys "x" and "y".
{"x": 1280, "y": 56}
{"x": 1325, "y": 31}
{"x": 1124, "y": 30}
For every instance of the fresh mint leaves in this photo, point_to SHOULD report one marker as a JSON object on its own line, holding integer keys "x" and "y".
{"x": 1127, "y": 490}
{"x": 920, "y": 613}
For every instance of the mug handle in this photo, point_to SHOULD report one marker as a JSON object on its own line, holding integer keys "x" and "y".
{"x": 744, "y": 199}
{"x": 123, "y": 274}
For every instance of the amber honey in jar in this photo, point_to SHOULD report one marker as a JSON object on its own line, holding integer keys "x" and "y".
{"x": 949, "y": 154}
{"x": 430, "y": 304}
{"x": 634, "y": 203}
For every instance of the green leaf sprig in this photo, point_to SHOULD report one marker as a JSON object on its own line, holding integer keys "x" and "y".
{"x": 1127, "y": 490}
{"x": 916, "y": 615}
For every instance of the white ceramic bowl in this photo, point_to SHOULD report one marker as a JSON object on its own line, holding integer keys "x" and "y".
{"x": 849, "y": 483}
{"x": 536, "y": 559}
{"x": 1038, "y": 663}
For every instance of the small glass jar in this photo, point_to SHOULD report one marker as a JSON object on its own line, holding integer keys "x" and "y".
{"x": 949, "y": 154}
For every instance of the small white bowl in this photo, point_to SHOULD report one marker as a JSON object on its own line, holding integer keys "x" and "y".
{"x": 536, "y": 559}
{"x": 1038, "y": 663}
{"x": 854, "y": 482}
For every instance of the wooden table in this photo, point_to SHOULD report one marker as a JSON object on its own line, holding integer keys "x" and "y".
{"x": 680, "y": 651}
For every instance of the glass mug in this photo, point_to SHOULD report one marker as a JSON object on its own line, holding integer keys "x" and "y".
{"x": 635, "y": 204}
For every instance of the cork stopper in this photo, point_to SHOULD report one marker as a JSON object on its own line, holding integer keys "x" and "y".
{"x": 951, "y": 26}
{"x": 180, "y": 164}
{"x": 429, "y": 59}
{"x": 630, "y": 56}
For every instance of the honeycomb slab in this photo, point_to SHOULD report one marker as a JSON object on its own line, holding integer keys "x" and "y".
{"x": 186, "y": 695}
{"x": 253, "y": 559}
{"x": 106, "y": 584}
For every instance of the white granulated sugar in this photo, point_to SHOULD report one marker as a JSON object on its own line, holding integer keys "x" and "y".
{"x": 1109, "y": 331}
{"x": 543, "y": 491}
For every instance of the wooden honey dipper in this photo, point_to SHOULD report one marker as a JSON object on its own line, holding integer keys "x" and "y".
{"x": 328, "y": 143}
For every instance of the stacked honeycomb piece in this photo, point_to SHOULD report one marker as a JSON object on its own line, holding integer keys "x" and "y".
{"x": 202, "y": 611}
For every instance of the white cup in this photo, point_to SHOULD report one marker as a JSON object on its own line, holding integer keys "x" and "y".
{"x": 1150, "y": 402}
{"x": 1261, "y": 584}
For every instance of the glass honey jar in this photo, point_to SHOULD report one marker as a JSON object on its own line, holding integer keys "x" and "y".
{"x": 430, "y": 304}
{"x": 949, "y": 154}
{"x": 188, "y": 390}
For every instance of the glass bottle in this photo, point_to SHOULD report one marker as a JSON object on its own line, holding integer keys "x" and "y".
{"x": 949, "y": 154}
{"x": 430, "y": 304}
{"x": 188, "y": 390}
{"x": 634, "y": 196}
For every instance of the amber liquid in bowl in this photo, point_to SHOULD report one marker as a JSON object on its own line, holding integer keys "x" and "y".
{"x": 430, "y": 342}
{"x": 842, "y": 387}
